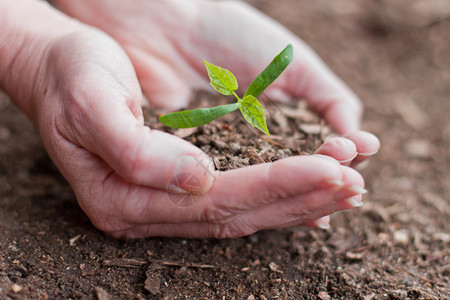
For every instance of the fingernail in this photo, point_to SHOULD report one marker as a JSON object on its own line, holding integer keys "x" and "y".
{"x": 354, "y": 201}
{"x": 327, "y": 158}
{"x": 334, "y": 184}
{"x": 185, "y": 163}
{"x": 368, "y": 154}
{"x": 323, "y": 223}
{"x": 348, "y": 160}
{"x": 189, "y": 175}
{"x": 357, "y": 189}
{"x": 185, "y": 183}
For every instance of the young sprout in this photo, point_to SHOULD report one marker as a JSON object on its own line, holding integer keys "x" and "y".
{"x": 225, "y": 83}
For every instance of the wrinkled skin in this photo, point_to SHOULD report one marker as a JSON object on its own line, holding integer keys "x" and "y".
{"x": 85, "y": 100}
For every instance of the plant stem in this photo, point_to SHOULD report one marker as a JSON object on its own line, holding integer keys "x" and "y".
{"x": 237, "y": 97}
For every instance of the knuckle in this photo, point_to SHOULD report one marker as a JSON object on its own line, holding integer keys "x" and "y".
{"x": 229, "y": 230}
{"x": 298, "y": 213}
{"x": 103, "y": 222}
{"x": 339, "y": 142}
{"x": 132, "y": 165}
{"x": 216, "y": 231}
{"x": 217, "y": 215}
{"x": 316, "y": 201}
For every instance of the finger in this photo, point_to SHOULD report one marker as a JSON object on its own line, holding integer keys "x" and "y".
{"x": 138, "y": 154}
{"x": 215, "y": 230}
{"x": 228, "y": 230}
{"x": 287, "y": 213}
{"x": 341, "y": 149}
{"x": 310, "y": 78}
{"x": 322, "y": 223}
{"x": 306, "y": 77}
{"x": 353, "y": 184}
{"x": 267, "y": 183}
{"x": 304, "y": 208}
{"x": 101, "y": 114}
{"x": 263, "y": 184}
{"x": 160, "y": 83}
{"x": 322, "y": 219}
{"x": 366, "y": 144}
{"x": 240, "y": 226}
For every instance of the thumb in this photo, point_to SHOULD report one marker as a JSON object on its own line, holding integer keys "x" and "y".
{"x": 326, "y": 93}
{"x": 141, "y": 155}
{"x": 157, "y": 159}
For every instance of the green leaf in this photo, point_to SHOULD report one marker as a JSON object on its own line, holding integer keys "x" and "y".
{"x": 271, "y": 72}
{"x": 196, "y": 117}
{"x": 253, "y": 112}
{"x": 222, "y": 80}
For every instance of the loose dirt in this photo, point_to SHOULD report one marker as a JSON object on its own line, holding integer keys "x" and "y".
{"x": 233, "y": 143}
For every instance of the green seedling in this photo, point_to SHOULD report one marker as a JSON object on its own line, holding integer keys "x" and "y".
{"x": 225, "y": 83}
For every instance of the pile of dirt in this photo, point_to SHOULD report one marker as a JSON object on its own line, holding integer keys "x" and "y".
{"x": 233, "y": 143}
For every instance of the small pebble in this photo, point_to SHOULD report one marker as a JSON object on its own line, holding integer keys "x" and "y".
{"x": 220, "y": 144}
{"x": 313, "y": 129}
{"x": 441, "y": 236}
{"x": 281, "y": 154}
{"x": 287, "y": 152}
{"x": 354, "y": 255}
{"x": 274, "y": 267}
{"x": 253, "y": 156}
{"x": 324, "y": 296}
{"x": 235, "y": 147}
{"x": 15, "y": 288}
{"x": 401, "y": 236}
{"x": 398, "y": 294}
{"x": 203, "y": 140}
{"x": 419, "y": 148}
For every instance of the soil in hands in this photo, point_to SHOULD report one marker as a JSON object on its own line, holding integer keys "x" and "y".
{"x": 233, "y": 143}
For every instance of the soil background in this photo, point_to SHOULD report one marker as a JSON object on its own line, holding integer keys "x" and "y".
{"x": 396, "y": 56}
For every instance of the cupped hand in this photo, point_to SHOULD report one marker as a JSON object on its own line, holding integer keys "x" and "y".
{"x": 129, "y": 179}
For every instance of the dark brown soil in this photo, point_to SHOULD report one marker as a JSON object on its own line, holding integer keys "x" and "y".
{"x": 396, "y": 57}
{"x": 233, "y": 143}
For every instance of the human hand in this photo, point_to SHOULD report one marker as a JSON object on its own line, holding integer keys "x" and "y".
{"x": 85, "y": 101}
{"x": 121, "y": 171}
{"x": 167, "y": 41}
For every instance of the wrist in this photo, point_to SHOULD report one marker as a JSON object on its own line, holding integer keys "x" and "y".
{"x": 28, "y": 29}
